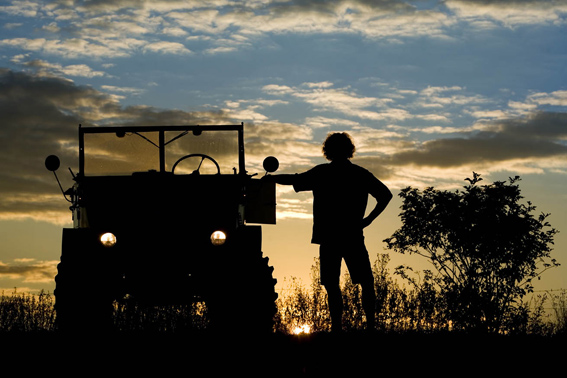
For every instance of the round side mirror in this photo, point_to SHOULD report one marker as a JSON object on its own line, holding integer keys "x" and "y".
{"x": 52, "y": 163}
{"x": 271, "y": 164}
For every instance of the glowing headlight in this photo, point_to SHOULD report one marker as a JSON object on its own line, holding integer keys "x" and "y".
{"x": 218, "y": 238}
{"x": 108, "y": 239}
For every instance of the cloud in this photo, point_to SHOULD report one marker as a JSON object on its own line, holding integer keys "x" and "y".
{"x": 248, "y": 110}
{"x": 43, "y": 67}
{"x": 320, "y": 122}
{"x": 488, "y": 113}
{"x": 220, "y": 50}
{"x": 271, "y": 131}
{"x": 167, "y": 48}
{"x": 510, "y": 13}
{"x": 174, "y": 31}
{"x": 40, "y": 117}
{"x": 73, "y": 47}
{"x": 531, "y": 144}
{"x": 12, "y": 25}
{"x": 112, "y": 88}
{"x": 372, "y": 19}
{"x": 529, "y": 139}
{"x": 276, "y": 89}
{"x": 123, "y": 90}
{"x": 556, "y": 98}
{"x": 378, "y": 142}
{"x": 21, "y": 8}
{"x": 387, "y": 105}
{"x": 323, "y": 97}
{"x": 123, "y": 28}
{"x": 439, "y": 97}
{"x": 518, "y": 138}
{"x": 435, "y": 91}
{"x": 442, "y": 130}
{"x": 324, "y": 84}
{"x": 29, "y": 270}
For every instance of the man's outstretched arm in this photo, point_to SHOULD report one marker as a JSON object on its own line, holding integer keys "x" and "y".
{"x": 283, "y": 179}
{"x": 383, "y": 197}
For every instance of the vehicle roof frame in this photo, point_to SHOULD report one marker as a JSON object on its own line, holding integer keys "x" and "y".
{"x": 162, "y": 142}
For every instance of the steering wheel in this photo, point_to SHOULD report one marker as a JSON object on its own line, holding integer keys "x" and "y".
{"x": 202, "y": 156}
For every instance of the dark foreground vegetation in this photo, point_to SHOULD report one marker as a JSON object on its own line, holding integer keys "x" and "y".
{"x": 409, "y": 340}
{"x": 400, "y": 309}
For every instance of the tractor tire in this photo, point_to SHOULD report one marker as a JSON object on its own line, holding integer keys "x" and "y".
{"x": 83, "y": 289}
{"x": 79, "y": 305}
{"x": 245, "y": 300}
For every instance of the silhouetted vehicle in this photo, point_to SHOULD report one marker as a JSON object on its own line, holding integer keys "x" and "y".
{"x": 162, "y": 215}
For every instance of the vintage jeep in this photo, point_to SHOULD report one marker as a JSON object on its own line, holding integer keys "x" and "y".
{"x": 163, "y": 216}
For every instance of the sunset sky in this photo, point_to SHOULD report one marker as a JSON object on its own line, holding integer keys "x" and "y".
{"x": 430, "y": 90}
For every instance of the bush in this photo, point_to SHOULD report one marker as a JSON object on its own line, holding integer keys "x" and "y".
{"x": 23, "y": 312}
{"x": 485, "y": 245}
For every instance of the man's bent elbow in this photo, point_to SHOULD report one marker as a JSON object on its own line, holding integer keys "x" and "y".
{"x": 386, "y": 196}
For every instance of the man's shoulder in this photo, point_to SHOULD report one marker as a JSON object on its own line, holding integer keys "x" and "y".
{"x": 343, "y": 167}
{"x": 360, "y": 169}
{"x": 320, "y": 168}
{"x": 366, "y": 177}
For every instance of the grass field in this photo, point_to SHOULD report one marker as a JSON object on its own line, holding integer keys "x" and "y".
{"x": 29, "y": 343}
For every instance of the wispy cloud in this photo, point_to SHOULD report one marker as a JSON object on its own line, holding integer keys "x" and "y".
{"x": 165, "y": 47}
{"x": 323, "y": 97}
{"x": 22, "y": 8}
{"x": 123, "y": 28}
{"x": 29, "y": 270}
{"x": 73, "y": 47}
{"x": 515, "y": 136}
{"x": 510, "y": 13}
{"x": 556, "y": 98}
{"x": 320, "y": 122}
{"x": 533, "y": 144}
{"x": 43, "y": 67}
{"x": 430, "y": 105}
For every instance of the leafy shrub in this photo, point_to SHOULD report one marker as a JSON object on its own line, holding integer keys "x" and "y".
{"x": 23, "y": 312}
{"x": 485, "y": 245}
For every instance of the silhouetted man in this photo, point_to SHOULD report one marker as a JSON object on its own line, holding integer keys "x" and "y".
{"x": 340, "y": 195}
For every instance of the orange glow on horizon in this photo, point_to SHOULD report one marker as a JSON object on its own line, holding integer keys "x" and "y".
{"x": 304, "y": 329}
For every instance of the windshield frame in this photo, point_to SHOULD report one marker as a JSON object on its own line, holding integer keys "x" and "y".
{"x": 162, "y": 144}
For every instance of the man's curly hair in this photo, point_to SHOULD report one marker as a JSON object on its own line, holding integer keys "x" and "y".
{"x": 338, "y": 146}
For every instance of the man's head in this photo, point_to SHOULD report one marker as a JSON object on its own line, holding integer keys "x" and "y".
{"x": 338, "y": 146}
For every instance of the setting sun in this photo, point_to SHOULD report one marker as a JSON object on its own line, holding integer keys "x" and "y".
{"x": 304, "y": 329}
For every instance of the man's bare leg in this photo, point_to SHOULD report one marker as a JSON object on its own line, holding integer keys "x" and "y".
{"x": 335, "y": 300}
{"x": 368, "y": 304}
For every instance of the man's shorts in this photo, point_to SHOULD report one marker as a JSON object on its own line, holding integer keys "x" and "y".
{"x": 356, "y": 258}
